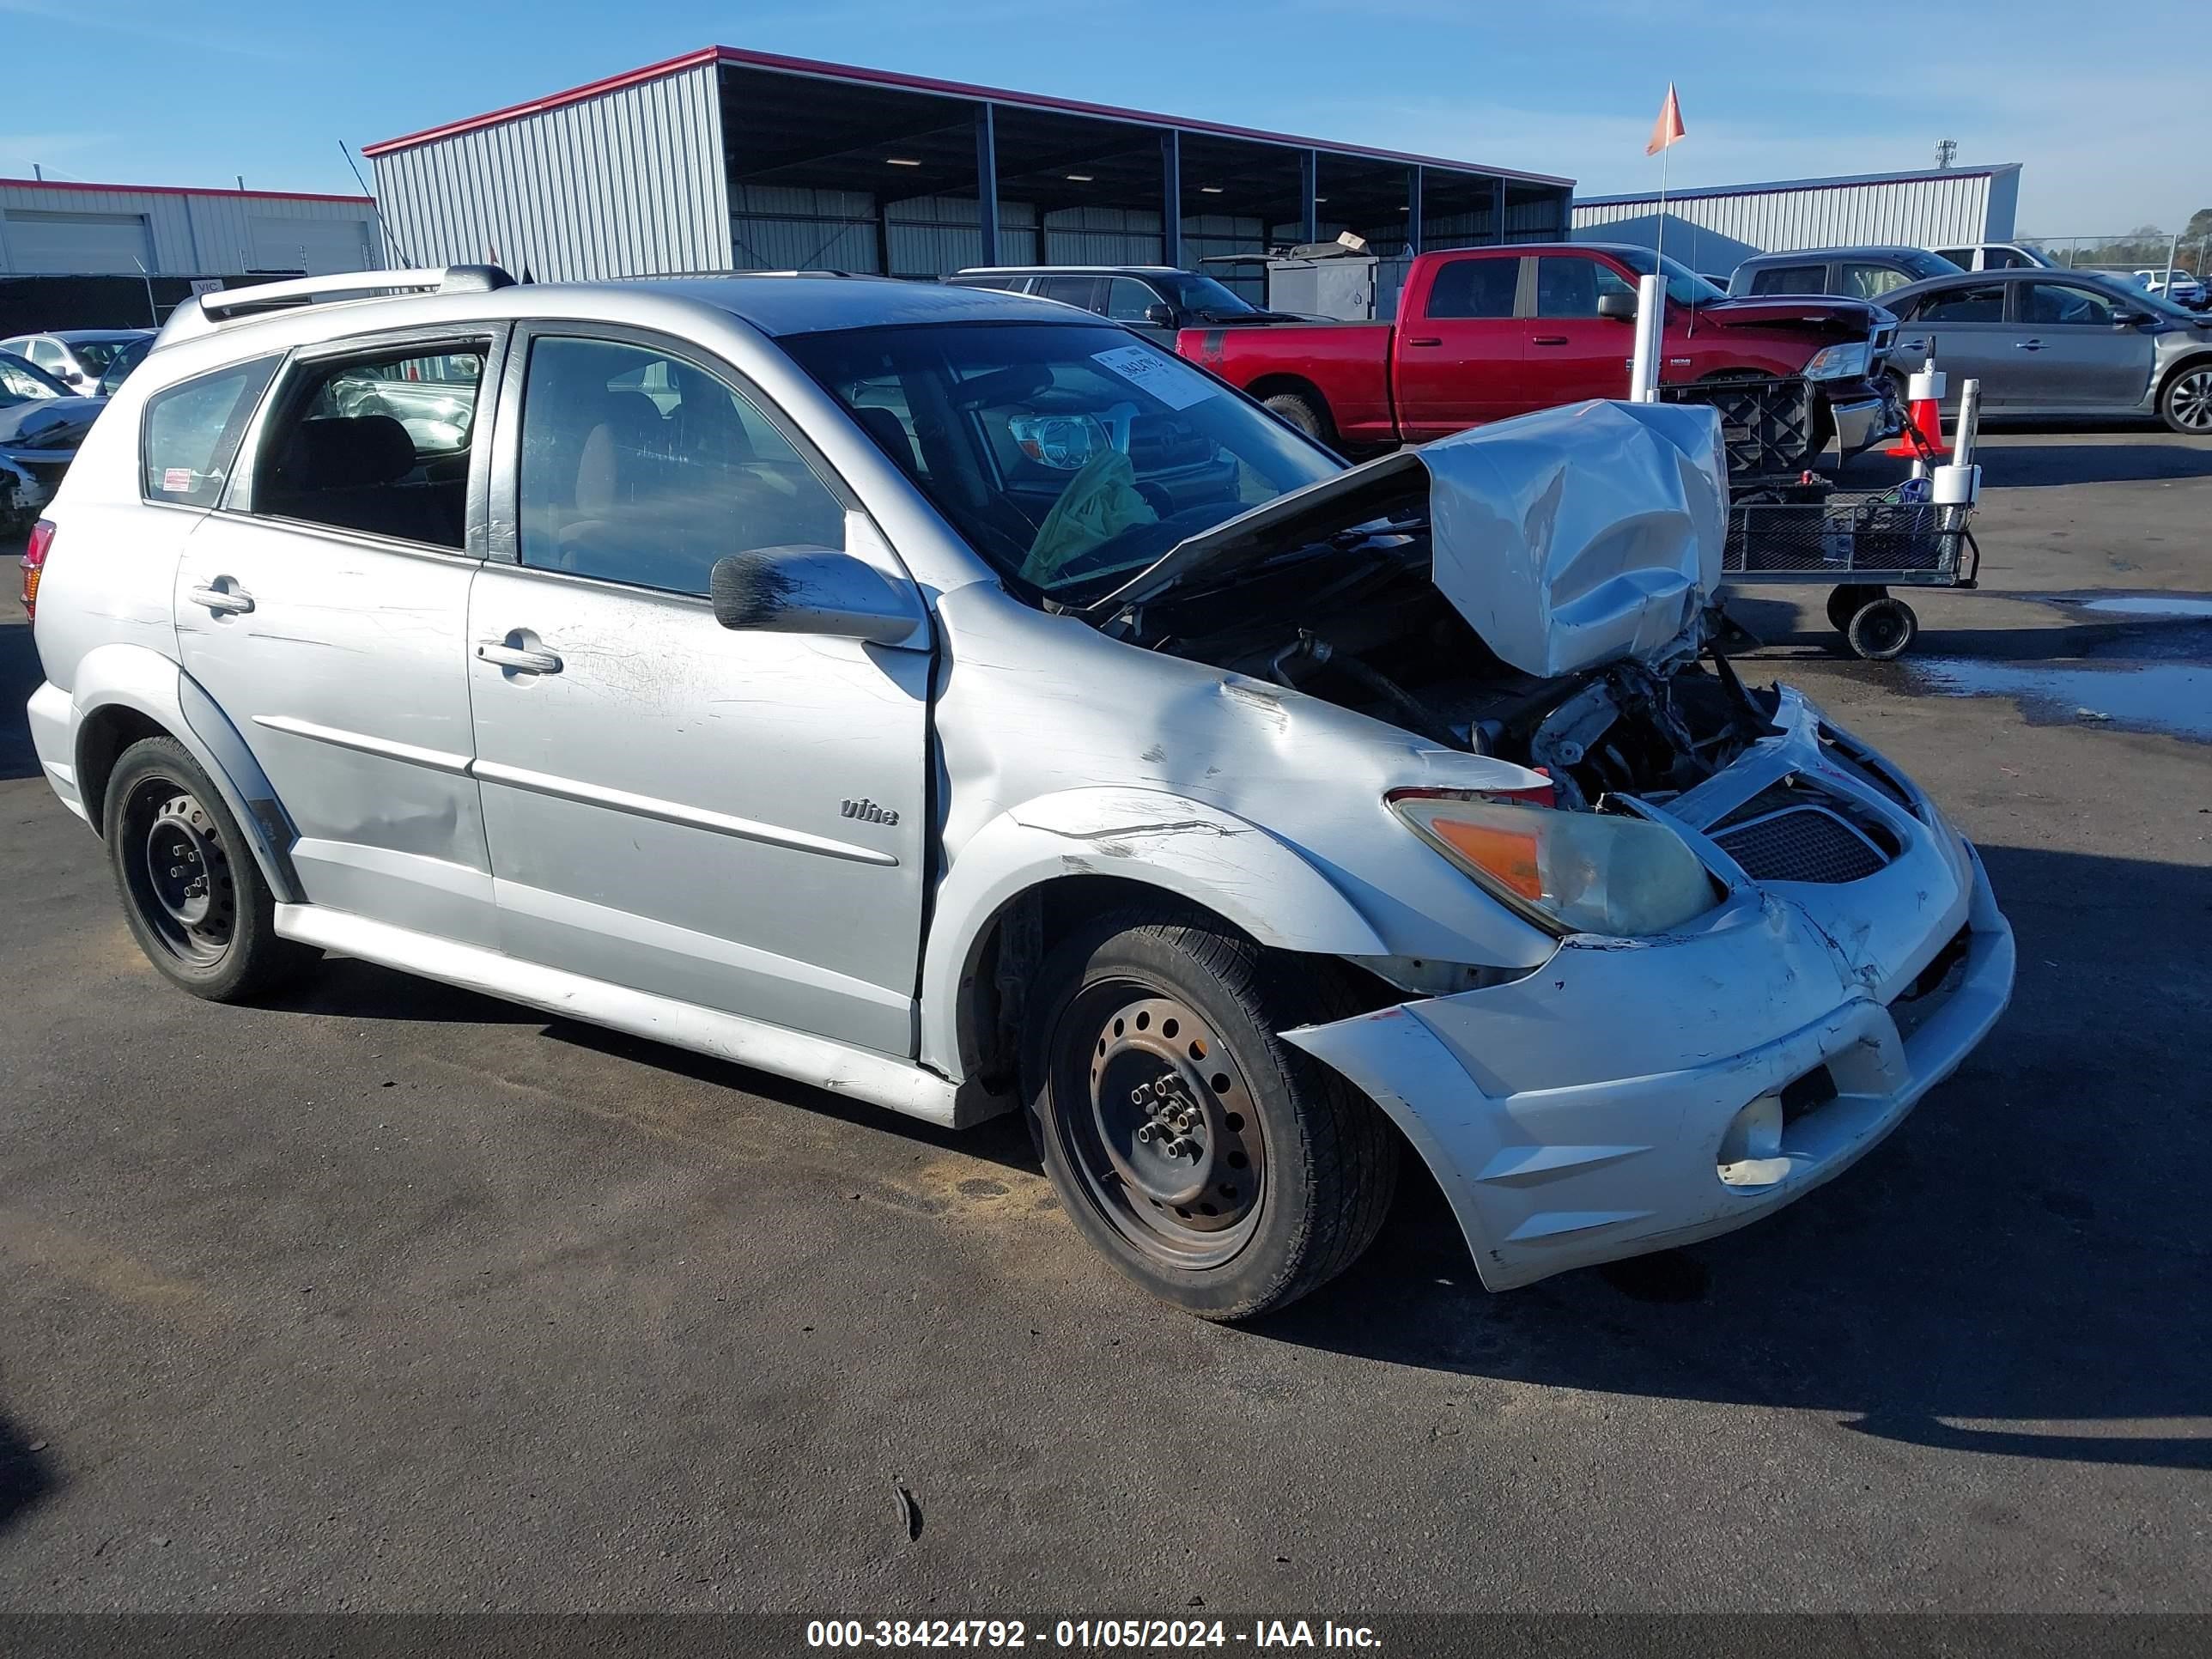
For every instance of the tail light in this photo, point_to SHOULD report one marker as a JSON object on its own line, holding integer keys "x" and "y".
{"x": 35, "y": 561}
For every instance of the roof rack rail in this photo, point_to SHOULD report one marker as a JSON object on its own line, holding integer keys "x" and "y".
{"x": 305, "y": 291}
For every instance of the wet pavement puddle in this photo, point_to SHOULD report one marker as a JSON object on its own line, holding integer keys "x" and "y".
{"x": 2170, "y": 698}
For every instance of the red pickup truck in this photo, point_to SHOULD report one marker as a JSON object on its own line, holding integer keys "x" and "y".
{"x": 1483, "y": 333}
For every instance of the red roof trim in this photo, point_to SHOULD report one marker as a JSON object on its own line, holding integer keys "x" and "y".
{"x": 183, "y": 190}
{"x": 551, "y": 101}
{"x": 815, "y": 67}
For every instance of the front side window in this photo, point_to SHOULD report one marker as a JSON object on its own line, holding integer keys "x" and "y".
{"x": 1466, "y": 289}
{"x": 1868, "y": 282}
{"x": 2063, "y": 302}
{"x": 189, "y": 434}
{"x": 1791, "y": 279}
{"x": 1982, "y": 303}
{"x": 1127, "y": 299}
{"x": 48, "y": 355}
{"x": 1068, "y": 456}
{"x": 642, "y": 467}
{"x": 1567, "y": 287}
{"x": 377, "y": 443}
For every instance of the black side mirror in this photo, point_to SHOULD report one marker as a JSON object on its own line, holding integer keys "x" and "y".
{"x": 2128, "y": 319}
{"x": 811, "y": 590}
{"x": 1620, "y": 308}
{"x": 1160, "y": 316}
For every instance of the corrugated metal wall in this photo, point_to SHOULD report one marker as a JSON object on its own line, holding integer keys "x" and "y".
{"x": 195, "y": 235}
{"x": 1928, "y": 211}
{"x": 629, "y": 183}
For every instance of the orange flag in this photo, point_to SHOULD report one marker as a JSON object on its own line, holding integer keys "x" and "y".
{"x": 1668, "y": 127}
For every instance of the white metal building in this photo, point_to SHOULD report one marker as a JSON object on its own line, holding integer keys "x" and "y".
{"x": 726, "y": 158}
{"x": 1713, "y": 230}
{"x": 50, "y": 227}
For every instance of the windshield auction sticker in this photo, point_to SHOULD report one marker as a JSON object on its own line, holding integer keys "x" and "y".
{"x": 1174, "y": 384}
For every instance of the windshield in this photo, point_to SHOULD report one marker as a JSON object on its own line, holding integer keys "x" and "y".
{"x": 1684, "y": 286}
{"x": 1207, "y": 297}
{"x": 1070, "y": 457}
{"x": 22, "y": 382}
{"x": 128, "y": 358}
{"x": 97, "y": 356}
{"x": 2138, "y": 297}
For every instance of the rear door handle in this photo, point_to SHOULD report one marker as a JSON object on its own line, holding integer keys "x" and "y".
{"x": 522, "y": 659}
{"x": 232, "y": 600}
{"x": 2027, "y": 345}
{"x": 1425, "y": 341}
{"x": 1549, "y": 339}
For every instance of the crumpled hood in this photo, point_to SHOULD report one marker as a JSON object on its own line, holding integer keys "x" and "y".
{"x": 1828, "y": 314}
{"x": 1581, "y": 535}
{"x": 1568, "y": 538}
{"x": 48, "y": 423}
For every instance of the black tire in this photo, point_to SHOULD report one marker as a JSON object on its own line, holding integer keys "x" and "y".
{"x": 1305, "y": 412}
{"x": 1880, "y": 629}
{"x": 194, "y": 899}
{"x": 1290, "y": 1170}
{"x": 2185, "y": 402}
{"x": 1844, "y": 601}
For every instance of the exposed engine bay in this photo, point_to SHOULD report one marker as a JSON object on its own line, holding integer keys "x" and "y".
{"x": 1380, "y": 638}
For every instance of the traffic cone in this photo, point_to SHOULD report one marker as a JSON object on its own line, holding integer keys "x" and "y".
{"x": 1924, "y": 396}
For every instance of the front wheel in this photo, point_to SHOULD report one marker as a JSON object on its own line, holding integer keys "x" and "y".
{"x": 2186, "y": 404}
{"x": 194, "y": 898}
{"x": 1224, "y": 1169}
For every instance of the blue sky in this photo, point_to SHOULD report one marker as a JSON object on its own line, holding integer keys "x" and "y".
{"x": 2105, "y": 108}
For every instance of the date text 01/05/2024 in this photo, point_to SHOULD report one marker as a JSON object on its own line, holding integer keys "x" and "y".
{"x": 1087, "y": 1635}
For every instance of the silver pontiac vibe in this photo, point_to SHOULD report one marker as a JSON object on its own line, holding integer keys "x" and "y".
{"x": 954, "y": 701}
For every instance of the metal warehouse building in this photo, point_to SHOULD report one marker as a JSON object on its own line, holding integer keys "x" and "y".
{"x": 727, "y": 159}
{"x": 81, "y": 255}
{"x": 1714, "y": 229}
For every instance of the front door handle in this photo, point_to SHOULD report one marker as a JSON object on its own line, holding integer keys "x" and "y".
{"x": 2027, "y": 345}
{"x": 1549, "y": 339}
{"x": 1425, "y": 341}
{"x": 1913, "y": 345}
{"x": 224, "y": 596}
{"x": 522, "y": 659}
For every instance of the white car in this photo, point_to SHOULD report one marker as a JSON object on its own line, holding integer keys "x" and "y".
{"x": 943, "y": 698}
{"x": 2179, "y": 286}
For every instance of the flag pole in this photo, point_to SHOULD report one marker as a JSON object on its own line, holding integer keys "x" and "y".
{"x": 1665, "y": 155}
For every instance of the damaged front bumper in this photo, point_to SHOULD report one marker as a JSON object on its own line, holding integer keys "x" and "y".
{"x": 1634, "y": 1095}
{"x": 1864, "y": 415}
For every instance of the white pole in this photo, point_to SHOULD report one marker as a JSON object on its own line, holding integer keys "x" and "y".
{"x": 1651, "y": 338}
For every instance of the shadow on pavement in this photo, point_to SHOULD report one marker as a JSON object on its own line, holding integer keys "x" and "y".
{"x": 19, "y": 675}
{"x": 25, "y": 1479}
{"x": 2021, "y": 1270}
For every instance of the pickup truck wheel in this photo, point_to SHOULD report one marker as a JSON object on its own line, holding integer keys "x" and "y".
{"x": 2186, "y": 403}
{"x": 1224, "y": 1170}
{"x": 194, "y": 898}
{"x": 1303, "y": 412}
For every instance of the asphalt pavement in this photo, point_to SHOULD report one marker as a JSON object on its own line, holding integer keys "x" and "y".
{"x": 395, "y": 1297}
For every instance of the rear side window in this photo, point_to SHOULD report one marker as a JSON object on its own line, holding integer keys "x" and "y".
{"x": 189, "y": 434}
{"x": 377, "y": 443}
{"x": 1791, "y": 279}
{"x": 1474, "y": 289}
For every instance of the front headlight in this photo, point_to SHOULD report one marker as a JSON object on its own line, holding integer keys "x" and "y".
{"x": 1840, "y": 362}
{"x": 1574, "y": 872}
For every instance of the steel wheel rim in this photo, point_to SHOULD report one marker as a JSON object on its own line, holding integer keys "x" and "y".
{"x": 2192, "y": 400}
{"x": 1158, "y": 1125}
{"x": 178, "y": 872}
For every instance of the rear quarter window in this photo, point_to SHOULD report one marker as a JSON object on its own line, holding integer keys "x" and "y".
{"x": 188, "y": 435}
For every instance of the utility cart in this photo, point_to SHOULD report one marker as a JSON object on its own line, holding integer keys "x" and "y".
{"x": 1860, "y": 545}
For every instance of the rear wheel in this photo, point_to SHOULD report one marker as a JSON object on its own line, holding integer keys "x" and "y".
{"x": 194, "y": 898}
{"x": 1302, "y": 411}
{"x": 1224, "y": 1169}
{"x": 1880, "y": 629}
{"x": 2186, "y": 403}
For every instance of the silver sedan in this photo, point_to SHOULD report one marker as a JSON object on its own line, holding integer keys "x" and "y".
{"x": 2060, "y": 345}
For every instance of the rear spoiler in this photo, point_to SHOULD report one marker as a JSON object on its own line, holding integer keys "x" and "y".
{"x": 206, "y": 312}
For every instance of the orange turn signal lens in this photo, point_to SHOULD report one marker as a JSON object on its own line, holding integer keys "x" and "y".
{"x": 1510, "y": 855}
